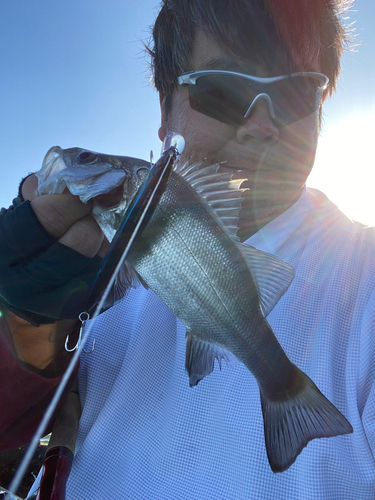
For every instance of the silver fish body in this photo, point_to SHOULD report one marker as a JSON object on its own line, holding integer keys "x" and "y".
{"x": 222, "y": 291}
{"x": 189, "y": 259}
{"x": 200, "y": 273}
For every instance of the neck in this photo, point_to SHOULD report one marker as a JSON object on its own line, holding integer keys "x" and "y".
{"x": 253, "y": 217}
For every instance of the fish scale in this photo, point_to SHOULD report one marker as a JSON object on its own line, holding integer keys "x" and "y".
{"x": 179, "y": 249}
{"x": 218, "y": 302}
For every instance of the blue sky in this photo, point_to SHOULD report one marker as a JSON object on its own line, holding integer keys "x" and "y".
{"x": 73, "y": 73}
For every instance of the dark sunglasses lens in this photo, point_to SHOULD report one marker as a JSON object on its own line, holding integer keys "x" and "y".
{"x": 227, "y": 97}
{"x": 222, "y": 97}
{"x": 294, "y": 98}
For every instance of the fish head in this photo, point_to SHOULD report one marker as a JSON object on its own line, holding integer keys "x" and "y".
{"x": 113, "y": 171}
{"x": 111, "y": 181}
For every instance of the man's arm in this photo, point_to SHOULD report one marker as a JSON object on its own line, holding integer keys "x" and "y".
{"x": 34, "y": 357}
{"x": 70, "y": 222}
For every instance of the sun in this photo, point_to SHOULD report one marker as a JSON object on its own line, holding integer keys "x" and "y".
{"x": 345, "y": 166}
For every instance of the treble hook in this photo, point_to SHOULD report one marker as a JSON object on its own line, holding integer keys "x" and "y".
{"x": 83, "y": 317}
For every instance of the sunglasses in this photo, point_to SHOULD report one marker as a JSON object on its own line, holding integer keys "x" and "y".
{"x": 230, "y": 97}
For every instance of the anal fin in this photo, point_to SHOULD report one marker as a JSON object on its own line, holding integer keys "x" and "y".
{"x": 200, "y": 358}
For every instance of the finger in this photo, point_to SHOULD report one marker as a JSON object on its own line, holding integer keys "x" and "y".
{"x": 84, "y": 236}
{"x": 104, "y": 247}
{"x": 58, "y": 212}
{"x": 30, "y": 187}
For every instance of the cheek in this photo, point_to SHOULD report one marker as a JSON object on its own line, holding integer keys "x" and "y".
{"x": 204, "y": 136}
{"x": 207, "y": 132}
{"x": 300, "y": 138}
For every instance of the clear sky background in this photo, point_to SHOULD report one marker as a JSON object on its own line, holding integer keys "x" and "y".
{"x": 73, "y": 73}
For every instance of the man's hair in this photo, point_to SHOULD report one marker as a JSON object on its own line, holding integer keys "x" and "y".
{"x": 282, "y": 35}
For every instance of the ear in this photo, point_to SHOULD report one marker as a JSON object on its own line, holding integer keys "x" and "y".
{"x": 163, "y": 127}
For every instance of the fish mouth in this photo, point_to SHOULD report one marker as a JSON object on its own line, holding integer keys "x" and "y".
{"x": 112, "y": 198}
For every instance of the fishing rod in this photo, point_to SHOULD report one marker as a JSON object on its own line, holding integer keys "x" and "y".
{"x": 135, "y": 219}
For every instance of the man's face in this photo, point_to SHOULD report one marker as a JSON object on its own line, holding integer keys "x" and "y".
{"x": 275, "y": 161}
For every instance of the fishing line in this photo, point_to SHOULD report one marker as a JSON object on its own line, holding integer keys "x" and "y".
{"x": 22, "y": 468}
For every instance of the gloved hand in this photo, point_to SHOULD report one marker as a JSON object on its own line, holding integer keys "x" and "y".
{"x": 49, "y": 249}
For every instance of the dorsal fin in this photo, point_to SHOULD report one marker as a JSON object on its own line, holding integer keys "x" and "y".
{"x": 223, "y": 195}
{"x": 186, "y": 168}
{"x": 219, "y": 190}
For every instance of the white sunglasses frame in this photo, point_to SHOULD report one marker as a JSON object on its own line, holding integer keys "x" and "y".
{"x": 191, "y": 77}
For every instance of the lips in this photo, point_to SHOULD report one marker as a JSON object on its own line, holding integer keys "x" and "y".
{"x": 227, "y": 168}
{"x": 249, "y": 163}
{"x": 244, "y": 169}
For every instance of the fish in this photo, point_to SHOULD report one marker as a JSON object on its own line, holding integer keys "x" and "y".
{"x": 222, "y": 291}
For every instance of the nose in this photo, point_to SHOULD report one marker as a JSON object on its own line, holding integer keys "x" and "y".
{"x": 259, "y": 127}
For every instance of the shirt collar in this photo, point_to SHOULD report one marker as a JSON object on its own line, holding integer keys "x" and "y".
{"x": 272, "y": 236}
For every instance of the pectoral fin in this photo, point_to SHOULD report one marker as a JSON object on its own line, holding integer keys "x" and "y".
{"x": 126, "y": 279}
{"x": 271, "y": 275}
{"x": 200, "y": 358}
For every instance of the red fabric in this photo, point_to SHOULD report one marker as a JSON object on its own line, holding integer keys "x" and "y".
{"x": 24, "y": 394}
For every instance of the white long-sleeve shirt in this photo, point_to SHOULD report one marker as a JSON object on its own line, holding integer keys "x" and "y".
{"x": 145, "y": 434}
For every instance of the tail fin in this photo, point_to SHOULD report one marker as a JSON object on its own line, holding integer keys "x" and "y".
{"x": 290, "y": 424}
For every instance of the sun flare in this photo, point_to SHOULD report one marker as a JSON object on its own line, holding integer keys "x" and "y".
{"x": 345, "y": 166}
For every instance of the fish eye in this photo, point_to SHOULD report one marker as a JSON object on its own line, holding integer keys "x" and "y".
{"x": 86, "y": 157}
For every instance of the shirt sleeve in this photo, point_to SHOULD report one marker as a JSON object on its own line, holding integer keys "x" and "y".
{"x": 25, "y": 392}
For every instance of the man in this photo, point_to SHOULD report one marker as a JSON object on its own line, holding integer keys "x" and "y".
{"x": 143, "y": 432}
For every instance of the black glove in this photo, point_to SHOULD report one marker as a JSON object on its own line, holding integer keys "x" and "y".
{"x": 41, "y": 280}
